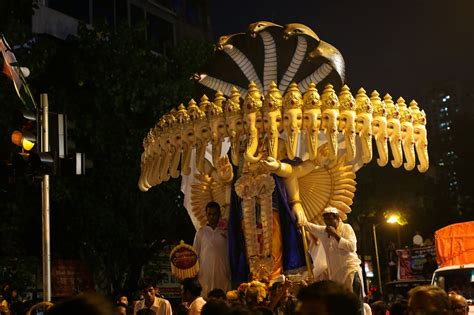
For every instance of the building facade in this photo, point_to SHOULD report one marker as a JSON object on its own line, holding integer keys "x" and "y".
{"x": 167, "y": 21}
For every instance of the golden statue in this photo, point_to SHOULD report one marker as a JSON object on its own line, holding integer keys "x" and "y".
{"x": 293, "y": 151}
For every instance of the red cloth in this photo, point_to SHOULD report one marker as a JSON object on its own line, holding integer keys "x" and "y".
{"x": 455, "y": 244}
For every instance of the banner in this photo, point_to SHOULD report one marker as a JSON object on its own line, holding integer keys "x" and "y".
{"x": 70, "y": 277}
{"x": 412, "y": 260}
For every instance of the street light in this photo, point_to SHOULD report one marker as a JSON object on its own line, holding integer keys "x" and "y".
{"x": 394, "y": 218}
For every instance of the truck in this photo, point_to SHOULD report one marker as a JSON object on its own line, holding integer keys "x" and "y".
{"x": 455, "y": 255}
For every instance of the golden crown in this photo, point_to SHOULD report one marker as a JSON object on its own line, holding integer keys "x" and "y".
{"x": 363, "y": 104}
{"x": 194, "y": 112}
{"x": 273, "y": 100}
{"x": 182, "y": 115}
{"x": 205, "y": 104}
{"x": 232, "y": 106}
{"x": 215, "y": 108}
{"x": 346, "y": 100}
{"x": 419, "y": 116}
{"x": 329, "y": 98}
{"x": 380, "y": 109}
{"x": 311, "y": 98}
{"x": 405, "y": 112}
{"x": 169, "y": 118}
{"x": 392, "y": 108}
{"x": 253, "y": 99}
{"x": 292, "y": 98}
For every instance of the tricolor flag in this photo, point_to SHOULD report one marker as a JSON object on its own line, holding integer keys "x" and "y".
{"x": 10, "y": 65}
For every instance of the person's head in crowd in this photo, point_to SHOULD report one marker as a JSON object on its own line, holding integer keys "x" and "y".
{"x": 121, "y": 309}
{"x": 428, "y": 299}
{"x": 122, "y": 298}
{"x": 329, "y": 298}
{"x": 216, "y": 294}
{"x": 399, "y": 307}
{"x": 148, "y": 291}
{"x": 458, "y": 304}
{"x": 279, "y": 287}
{"x": 190, "y": 289}
{"x": 378, "y": 308}
{"x": 91, "y": 304}
{"x": 213, "y": 214}
{"x": 215, "y": 306}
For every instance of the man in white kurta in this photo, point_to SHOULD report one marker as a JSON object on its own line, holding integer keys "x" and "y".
{"x": 210, "y": 243}
{"x": 158, "y": 305}
{"x": 340, "y": 244}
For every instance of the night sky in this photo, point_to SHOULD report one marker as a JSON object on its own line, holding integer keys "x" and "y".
{"x": 399, "y": 47}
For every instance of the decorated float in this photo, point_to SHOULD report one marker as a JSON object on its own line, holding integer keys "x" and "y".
{"x": 276, "y": 137}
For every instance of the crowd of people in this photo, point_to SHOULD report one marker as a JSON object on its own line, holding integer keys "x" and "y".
{"x": 340, "y": 293}
{"x": 255, "y": 298}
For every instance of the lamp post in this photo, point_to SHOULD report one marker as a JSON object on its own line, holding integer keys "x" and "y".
{"x": 377, "y": 257}
{"x": 392, "y": 219}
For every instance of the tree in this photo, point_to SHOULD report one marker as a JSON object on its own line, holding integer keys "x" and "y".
{"x": 113, "y": 88}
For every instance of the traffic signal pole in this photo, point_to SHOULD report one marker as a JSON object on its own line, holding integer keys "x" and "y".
{"x": 45, "y": 203}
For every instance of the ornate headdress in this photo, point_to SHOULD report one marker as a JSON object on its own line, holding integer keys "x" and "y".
{"x": 419, "y": 116}
{"x": 363, "y": 104}
{"x": 253, "y": 99}
{"x": 329, "y": 98}
{"x": 392, "y": 108}
{"x": 194, "y": 112}
{"x": 215, "y": 108}
{"x": 232, "y": 106}
{"x": 405, "y": 112}
{"x": 182, "y": 115}
{"x": 292, "y": 98}
{"x": 380, "y": 109}
{"x": 311, "y": 98}
{"x": 273, "y": 100}
{"x": 346, "y": 100}
{"x": 205, "y": 105}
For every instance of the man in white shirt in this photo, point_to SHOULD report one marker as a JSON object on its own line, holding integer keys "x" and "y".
{"x": 151, "y": 301}
{"x": 340, "y": 245}
{"x": 210, "y": 243}
{"x": 191, "y": 294}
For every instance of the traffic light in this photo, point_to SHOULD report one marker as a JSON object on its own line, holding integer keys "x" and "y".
{"x": 26, "y": 137}
{"x": 30, "y": 160}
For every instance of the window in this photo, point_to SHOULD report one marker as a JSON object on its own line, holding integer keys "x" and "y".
{"x": 121, "y": 12}
{"x": 103, "y": 12}
{"x": 137, "y": 15}
{"x": 160, "y": 33}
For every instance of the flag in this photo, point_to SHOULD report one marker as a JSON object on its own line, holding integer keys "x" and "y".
{"x": 10, "y": 65}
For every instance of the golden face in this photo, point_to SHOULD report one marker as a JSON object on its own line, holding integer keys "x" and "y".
{"x": 188, "y": 135}
{"x": 272, "y": 123}
{"x": 363, "y": 124}
{"x": 235, "y": 126}
{"x": 165, "y": 141}
{"x": 329, "y": 120}
{"x": 202, "y": 131}
{"x": 218, "y": 128}
{"x": 407, "y": 130}
{"x": 292, "y": 120}
{"x": 419, "y": 132}
{"x": 393, "y": 127}
{"x": 312, "y": 120}
{"x": 347, "y": 121}
{"x": 379, "y": 125}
